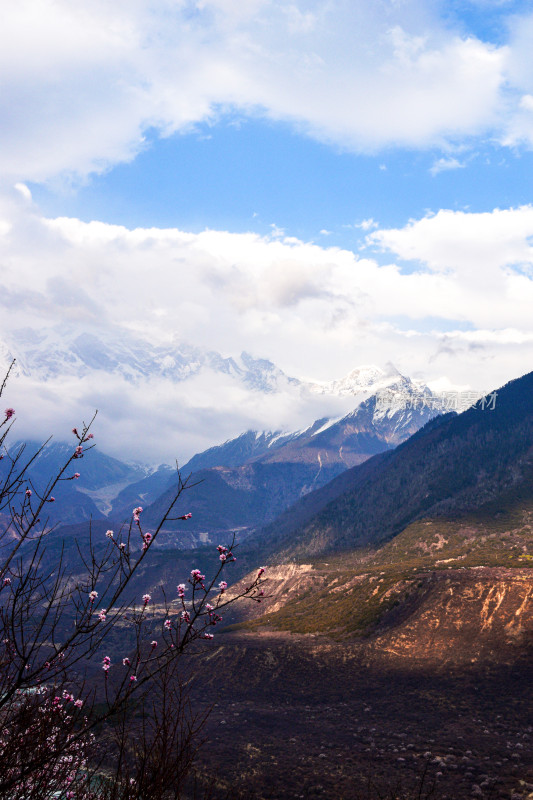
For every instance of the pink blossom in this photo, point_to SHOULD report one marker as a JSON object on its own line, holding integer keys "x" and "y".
{"x": 75, "y": 431}
{"x": 138, "y": 510}
{"x": 147, "y": 538}
{"x": 102, "y": 615}
{"x": 78, "y": 451}
{"x": 9, "y": 412}
{"x": 222, "y": 586}
{"x": 133, "y": 678}
{"x": 154, "y": 644}
{"x": 7, "y": 581}
{"x": 146, "y": 598}
{"x": 93, "y": 595}
{"x": 76, "y": 476}
{"x": 78, "y": 703}
{"x": 106, "y": 663}
{"x": 167, "y": 625}
{"x": 51, "y": 499}
{"x": 122, "y": 545}
{"x": 126, "y": 662}
{"x": 28, "y": 492}
{"x": 109, "y": 534}
{"x": 90, "y": 436}
{"x": 260, "y": 572}
{"x": 185, "y": 616}
{"x": 181, "y": 590}
{"x": 186, "y": 516}
{"x": 197, "y": 576}
{"x": 208, "y": 636}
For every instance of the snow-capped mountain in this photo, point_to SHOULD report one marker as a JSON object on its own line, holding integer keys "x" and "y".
{"x": 361, "y": 379}
{"x": 165, "y": 400}
{"x": 67, "y": 351}
{"x": 247, "y": 481}
{"x": 394, "y": 411}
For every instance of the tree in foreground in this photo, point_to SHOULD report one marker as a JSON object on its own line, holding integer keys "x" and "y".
{"x": 92, "y": 704}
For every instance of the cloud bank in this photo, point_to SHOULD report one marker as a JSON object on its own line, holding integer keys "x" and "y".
{"x": 83, "y": 83}
{"x": 446, "y": 295}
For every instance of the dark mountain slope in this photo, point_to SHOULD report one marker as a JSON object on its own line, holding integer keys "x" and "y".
{"x": 89, "y": 496}
{"x": 143, "y": 491}
{"x": 235, "y": 452}
{"x": 455, "y": 464}
{"x": 224, "y": 499}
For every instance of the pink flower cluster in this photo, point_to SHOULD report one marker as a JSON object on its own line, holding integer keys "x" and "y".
{"x": 213, "y": 617}
{"x": 147, "y": 538}
{"x": 197, "y": 576}
{"x": 106, "y": 663}
{"x": 146, "y": 599}
{"x": 225, "y": 554}
{"x": 136, "y": 512}
{"x": 181, "y": 590}
{"x": 9, "y": 412}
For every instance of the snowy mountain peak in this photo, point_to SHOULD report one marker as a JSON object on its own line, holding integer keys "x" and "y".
{"x": 362, "y": 379}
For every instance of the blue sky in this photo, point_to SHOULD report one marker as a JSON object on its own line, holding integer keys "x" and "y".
{"x": 321, "y": 184}
{"x": 251, "y": 174}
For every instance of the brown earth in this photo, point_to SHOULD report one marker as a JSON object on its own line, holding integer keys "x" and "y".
{"x": 434, "y": 701}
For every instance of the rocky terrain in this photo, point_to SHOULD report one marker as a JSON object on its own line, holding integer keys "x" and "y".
{"x": 313, "y": 721}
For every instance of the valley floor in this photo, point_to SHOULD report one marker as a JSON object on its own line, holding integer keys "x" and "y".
{"x": 301, "y": 720}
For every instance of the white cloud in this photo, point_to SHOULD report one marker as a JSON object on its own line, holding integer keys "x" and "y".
{"x": 83, "y": 82}
{"x": 367, "y": 224}
{"x": 445, "y": 164}
{"x": 462, "y": 311}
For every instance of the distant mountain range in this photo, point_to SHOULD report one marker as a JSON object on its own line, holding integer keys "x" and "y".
{"x": 250, "y": 480}
{"x": 68, "y": 350}
{"x": 101, "y": 478}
